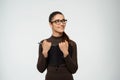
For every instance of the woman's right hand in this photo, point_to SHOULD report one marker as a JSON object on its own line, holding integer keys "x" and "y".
{"x": 46, "y": 47}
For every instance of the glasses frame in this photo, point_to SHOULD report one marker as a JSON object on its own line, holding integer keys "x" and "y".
{"x": 58, "y": 21}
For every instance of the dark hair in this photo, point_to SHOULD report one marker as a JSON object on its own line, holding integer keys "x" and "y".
{"x": 64, "y": 36}
{"x": 53, "y": 14}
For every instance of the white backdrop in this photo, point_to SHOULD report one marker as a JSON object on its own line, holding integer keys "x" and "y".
{"x": 93, "y": 24}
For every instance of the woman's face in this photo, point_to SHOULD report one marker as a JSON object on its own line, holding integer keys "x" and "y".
{"x": 58, "y": 23}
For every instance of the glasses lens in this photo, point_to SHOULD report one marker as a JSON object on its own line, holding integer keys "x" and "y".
{"x": 63, "y": 21}
{"x": 60, "y": 21}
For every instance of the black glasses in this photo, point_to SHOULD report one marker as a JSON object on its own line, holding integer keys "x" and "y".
{"x": 58, "y": 22}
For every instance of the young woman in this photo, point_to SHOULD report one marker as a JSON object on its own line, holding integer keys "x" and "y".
{"x": 57, "y": 54}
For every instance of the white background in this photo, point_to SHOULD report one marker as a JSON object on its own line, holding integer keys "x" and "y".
{"x": 93, "y": 24}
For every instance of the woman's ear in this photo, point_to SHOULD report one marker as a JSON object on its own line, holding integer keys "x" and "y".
{"x": 50, "y": 24}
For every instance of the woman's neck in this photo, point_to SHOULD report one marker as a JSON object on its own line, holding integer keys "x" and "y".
{"x": 57, "y": 34}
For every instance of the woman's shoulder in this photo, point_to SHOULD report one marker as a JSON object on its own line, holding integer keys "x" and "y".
{"x": 41, "y": 41}
{"x": 72, "y": 43}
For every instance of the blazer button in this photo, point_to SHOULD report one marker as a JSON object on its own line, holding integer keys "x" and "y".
{"x": 57, "y": 67}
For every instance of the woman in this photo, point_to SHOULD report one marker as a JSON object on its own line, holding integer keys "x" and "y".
{"x": 57, "y": 54}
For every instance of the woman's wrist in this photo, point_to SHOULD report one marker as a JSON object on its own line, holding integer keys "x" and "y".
{"x": 45, "y": 54}
{"x": 65, "y": 54}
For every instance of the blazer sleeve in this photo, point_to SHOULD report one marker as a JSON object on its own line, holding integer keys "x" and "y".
{"x": 71, "y": 61}
{"x": 42, "y": 61}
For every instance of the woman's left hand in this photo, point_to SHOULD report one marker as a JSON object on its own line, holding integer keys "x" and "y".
{"x": 64, "y": 48}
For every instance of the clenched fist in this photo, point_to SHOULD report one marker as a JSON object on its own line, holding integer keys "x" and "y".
{"x": 64, "y": 48}
{"x": 46, "y": 47}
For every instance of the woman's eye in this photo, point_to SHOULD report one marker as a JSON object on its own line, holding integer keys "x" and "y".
{"x": 57, "y": 20}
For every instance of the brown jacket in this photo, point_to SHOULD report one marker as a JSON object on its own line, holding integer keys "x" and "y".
{"x": 65, "y": 68}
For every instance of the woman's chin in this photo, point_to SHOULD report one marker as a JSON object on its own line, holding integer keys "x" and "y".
{"x": 61, "y": 31}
